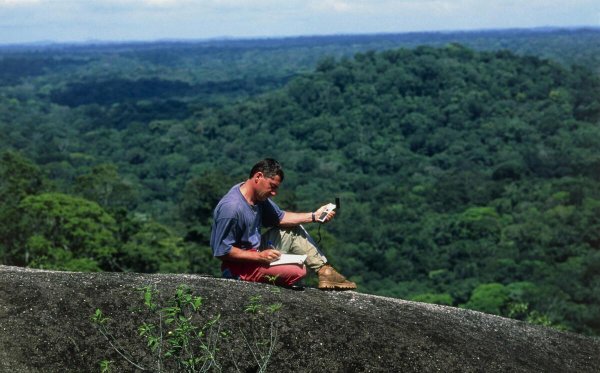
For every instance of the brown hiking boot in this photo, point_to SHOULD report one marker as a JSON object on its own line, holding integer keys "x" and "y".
{"x": 330, "y": 279}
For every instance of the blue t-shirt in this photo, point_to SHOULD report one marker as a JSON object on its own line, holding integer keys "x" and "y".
{"x": 237, "y": 223}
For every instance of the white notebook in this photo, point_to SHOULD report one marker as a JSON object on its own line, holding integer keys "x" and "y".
{"x": 289, "y": 259}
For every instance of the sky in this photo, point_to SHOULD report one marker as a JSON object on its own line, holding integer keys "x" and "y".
{"x": 27, "y": 21}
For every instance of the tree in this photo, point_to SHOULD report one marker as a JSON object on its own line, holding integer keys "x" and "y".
{"x": 104, "y": 186}
{"x": 445, "y": 299}
{"x": 19, "y": 178}
{"x": 153, "y": 248}
{"x": 198, "y": 200}
{"x": 67, "y": 233}
{"x": 489, "y": 298}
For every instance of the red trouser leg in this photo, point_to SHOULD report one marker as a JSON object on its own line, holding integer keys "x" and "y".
{"x": 285, "y": 274}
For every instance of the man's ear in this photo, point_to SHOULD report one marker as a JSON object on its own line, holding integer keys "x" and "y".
{"x": 258, "y": 176}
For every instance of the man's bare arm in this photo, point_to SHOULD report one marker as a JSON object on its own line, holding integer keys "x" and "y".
{"x": 239, "y": 255}
{"x": 292, "y": 219}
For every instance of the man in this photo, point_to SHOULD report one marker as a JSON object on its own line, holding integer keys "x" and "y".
{"x": 245, "y": 253}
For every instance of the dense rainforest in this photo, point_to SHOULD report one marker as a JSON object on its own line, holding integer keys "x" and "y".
{"x": 466, "y": 163}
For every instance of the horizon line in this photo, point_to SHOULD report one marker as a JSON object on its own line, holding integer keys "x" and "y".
{"x": 52, "y": 43}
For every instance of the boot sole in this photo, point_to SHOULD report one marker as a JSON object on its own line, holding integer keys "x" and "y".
{"x": 335, "y": 286}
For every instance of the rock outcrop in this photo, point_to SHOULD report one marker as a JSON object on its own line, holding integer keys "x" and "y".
{"x": 45, "y": 327}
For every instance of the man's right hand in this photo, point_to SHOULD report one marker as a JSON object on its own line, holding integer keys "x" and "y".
{"x": 269, "y": 255}
{"x": 239, "y": 255}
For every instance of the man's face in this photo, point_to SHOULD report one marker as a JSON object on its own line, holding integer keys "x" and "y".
{"x": 266, "y": 187}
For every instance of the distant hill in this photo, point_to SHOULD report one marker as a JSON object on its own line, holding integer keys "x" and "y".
{"x": 278, "y": 57}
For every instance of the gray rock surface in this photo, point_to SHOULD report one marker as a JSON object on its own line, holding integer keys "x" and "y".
{"x": 45, "y": 327}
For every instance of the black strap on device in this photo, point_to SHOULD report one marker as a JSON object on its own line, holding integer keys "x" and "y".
{"x": 337, "y": 212}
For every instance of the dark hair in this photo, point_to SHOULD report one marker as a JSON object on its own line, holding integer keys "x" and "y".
{"x": 269, "y": 167}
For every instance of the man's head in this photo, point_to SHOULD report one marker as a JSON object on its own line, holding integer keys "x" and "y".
{"x": 265, "y": 177}
{"x": 269, "y": 168}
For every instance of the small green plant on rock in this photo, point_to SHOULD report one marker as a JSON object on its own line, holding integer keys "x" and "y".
{"x": 261, "y": 340}
{"x": 178, "y": 342}
{"x": 173, "y": 336}
{"x": 105, "y": 366}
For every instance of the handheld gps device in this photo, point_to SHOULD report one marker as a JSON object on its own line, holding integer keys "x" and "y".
{"x": 330, "y": 207}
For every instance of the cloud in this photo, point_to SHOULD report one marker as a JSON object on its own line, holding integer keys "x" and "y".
{"x": 136, "y": 4}
{"x": 17, "y": 3}
{"x": 338, "y": 6}
{"x": 162, "y": 2}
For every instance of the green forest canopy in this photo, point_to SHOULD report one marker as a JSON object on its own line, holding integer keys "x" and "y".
{"x": 467, "y": 178}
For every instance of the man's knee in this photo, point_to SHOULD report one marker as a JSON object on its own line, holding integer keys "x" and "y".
{"x": 290, "y": 274}
{"x": 289, "y": 230}
{"x": 297, "y": 231}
